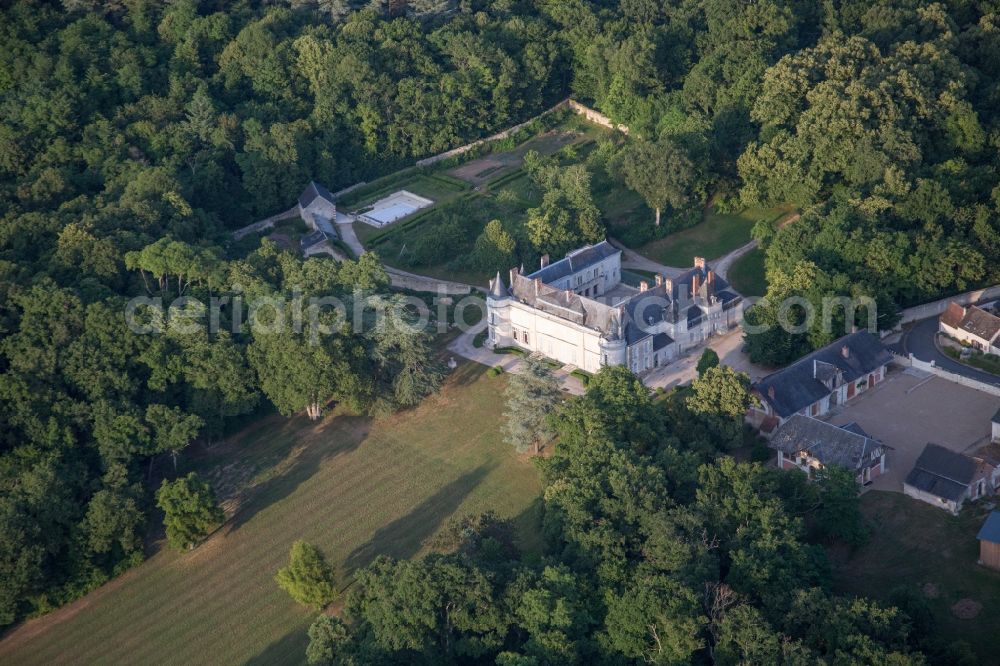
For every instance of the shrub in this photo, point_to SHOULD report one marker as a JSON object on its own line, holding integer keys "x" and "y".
{"x": 307, "y": 578}
{"x": 495, "y": 371}
{"x": 517, "y": 351}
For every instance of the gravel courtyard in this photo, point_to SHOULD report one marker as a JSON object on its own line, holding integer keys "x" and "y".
{"x": 911, "y": 409}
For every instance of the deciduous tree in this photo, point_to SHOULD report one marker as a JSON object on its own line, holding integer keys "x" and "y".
{"x": 190, "y": 510}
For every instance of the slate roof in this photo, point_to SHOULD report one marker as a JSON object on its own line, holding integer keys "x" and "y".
{"x": 796, "y": 386}
{"x": 314, "y": 238}
{"x": 498, "y": 290}
{"x": 326, "y": 226}
{"x": 856, "y": 429}
{"x": 313, "y": 191}
{"x": 990, "y": 531}
{"x": 631, "y": 317}
{"x": 942, "y": 472}
{"x": 827, "y": 443}
{"x": 661, "y": 340}
{"x": 576, "y": 261}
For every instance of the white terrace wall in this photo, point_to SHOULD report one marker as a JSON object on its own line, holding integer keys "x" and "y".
{"x": 912, "y": 362}
{"x": 595, "y": 117}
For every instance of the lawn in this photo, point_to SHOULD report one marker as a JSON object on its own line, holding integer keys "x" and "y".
{"x": 747, "y": 274}
{"x": 354, "y": 487}
{"x": 926, "y": 549}
{"x": 718, "y": 235}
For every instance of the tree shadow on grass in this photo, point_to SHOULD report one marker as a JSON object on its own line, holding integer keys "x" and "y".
{"x": 403, "y": 537}
{"x": 528, "y": 530}
{"x": 303, "y": 459}
{"x": 289, "y": 649}
{"x": 467, "y": 373}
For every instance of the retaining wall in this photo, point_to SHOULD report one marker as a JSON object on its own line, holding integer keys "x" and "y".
{"x": 266, "y": 224}
{"x": 936, "y": 308}
{"x": 913, "y": 362}
{"x": 590, "y": 114}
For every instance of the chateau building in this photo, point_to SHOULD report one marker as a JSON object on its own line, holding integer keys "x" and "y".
{"x": 578, "y": 311}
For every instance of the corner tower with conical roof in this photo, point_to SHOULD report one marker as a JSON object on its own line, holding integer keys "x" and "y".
{"x": 498, "y": 314}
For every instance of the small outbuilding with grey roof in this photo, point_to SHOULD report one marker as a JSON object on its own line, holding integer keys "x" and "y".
{"x": 989, "y": 541}
{"x": 318, "y": 210}
{"x": 316, "y": 198}
{"x": 943, "y": 478}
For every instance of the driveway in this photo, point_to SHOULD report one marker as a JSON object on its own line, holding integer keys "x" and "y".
{"x": 729, "y": 347}
{"x": 346, "y": 228}
{"x": 632, "y": 259}
{"x": 918, "y": 339}
{"x": 912, "y": 408}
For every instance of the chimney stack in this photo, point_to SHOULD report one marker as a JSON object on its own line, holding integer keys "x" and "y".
{"x": 545, "y": 260}
{"x": 658, "y": 279}
{"x": 770, "y": 392}
{"x": 643, "y": 285}
{"x": 538, "y": 283}
{"x": 845, "y": 351}
{"x": 668, "y": 284}
{"x": 513, "y": 275}
{"x": 699, "y": 262}
{"x": 695, "y": 283}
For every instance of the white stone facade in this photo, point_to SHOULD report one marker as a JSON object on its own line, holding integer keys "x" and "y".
{"x": 578, "y": 312}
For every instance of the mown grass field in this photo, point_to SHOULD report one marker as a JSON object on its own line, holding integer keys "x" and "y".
{"x": 717, "y": 235}
{"x": 354, "y": 487}
{"x": 921, "y": 547}
{"x": 747, "y": 274}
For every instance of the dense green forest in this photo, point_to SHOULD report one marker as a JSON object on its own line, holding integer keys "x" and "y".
{"x": 135, "y": 134}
